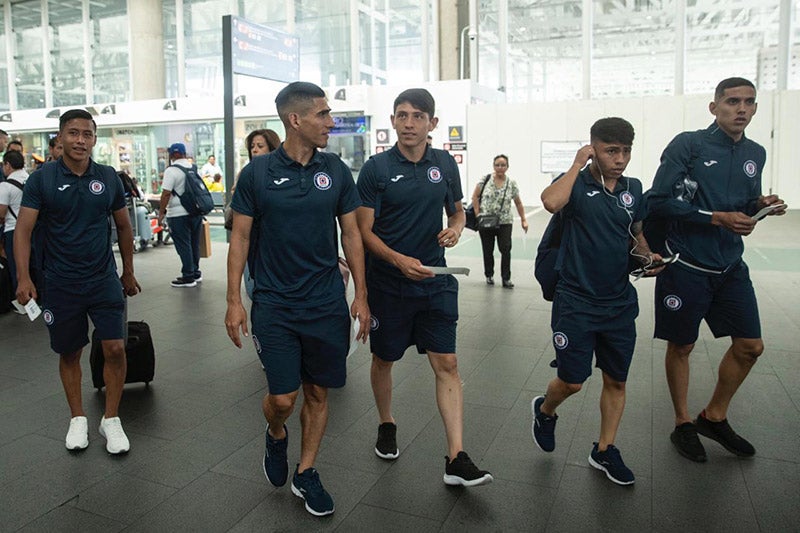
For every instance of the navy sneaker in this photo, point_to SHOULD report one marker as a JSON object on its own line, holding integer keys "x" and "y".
{"x": 543, "y": 426}
{"x": 610, "y": 462}
{"x": 276, "y": 466}
{"x": 723, "y": 433}
{"x": 308, "y": 486}
{"x": 462, "y": 471}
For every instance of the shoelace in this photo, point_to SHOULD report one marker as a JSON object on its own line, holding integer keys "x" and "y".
{"x": 311, "y": 482}
{"x": 612, "y": 455}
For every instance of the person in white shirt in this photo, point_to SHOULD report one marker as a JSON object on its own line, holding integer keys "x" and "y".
{"x": 210, "y": 169}
{"x": 10, "y": 200}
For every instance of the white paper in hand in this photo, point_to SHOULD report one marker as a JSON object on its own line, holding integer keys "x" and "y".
{"x": 353, "y": 341}
{"x": 33, "y": 309}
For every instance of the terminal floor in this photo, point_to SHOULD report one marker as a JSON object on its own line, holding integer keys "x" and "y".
{"x": 197, "y": 432}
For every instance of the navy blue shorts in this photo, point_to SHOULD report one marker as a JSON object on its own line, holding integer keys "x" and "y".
{"x": 581, "y": 329}
{"x": 684, "y": 297}
{"x": 69, "y": 305}
{"x": 398, "y": 321}
{"x": 302, "y": 345}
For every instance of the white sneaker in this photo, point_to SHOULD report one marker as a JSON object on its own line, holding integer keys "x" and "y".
{"x": 78, "y": 434}
{"x": 116, "y": 440}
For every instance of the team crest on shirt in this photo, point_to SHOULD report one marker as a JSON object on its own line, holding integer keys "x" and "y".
{"x": 434, "y": 175}
{"x": 48, "y": 317}
{"x": 373, "y": 323}
{"x": 750, "y": 168}
{"x": 672, "y": 302}
{"x": 560, "y": 340}
{"x": 626, "y": 198}
{"x": 257, "y": 344}
{"x": 97, "y": 187}
{"x": 322, "y": 181}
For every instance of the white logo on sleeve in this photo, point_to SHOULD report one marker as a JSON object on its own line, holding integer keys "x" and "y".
{"x": 397, "y": 178}
{"x": 282, "y": 180}
{"x": 64, "y": 187}
{"x": 592, "y": 193}
{"x": 710, "y": 163}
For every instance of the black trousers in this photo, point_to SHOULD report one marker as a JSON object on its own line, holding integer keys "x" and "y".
{"x": 503, "y": 235}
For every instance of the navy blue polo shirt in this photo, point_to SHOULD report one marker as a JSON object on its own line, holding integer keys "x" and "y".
{"x": 725, "y": 176}
{"x": 595, "y": 247}
{"x": 74, "y": 211}
{"x": 411, "y": 206}
{"x": 294, "y": 210}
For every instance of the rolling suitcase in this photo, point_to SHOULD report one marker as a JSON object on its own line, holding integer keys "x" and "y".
{"x": 140, "y": 354}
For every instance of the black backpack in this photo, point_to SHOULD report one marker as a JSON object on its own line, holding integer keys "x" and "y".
{"x": 544, "y": 268}
{"x": 472, "y": 220}
{"x": 195, "y": 198}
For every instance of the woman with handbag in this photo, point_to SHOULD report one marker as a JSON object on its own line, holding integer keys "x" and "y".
{"x": 491, "y": 202}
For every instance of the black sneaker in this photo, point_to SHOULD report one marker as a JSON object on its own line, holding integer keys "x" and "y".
{"x": 308, "y": 486}
{"x": 182, "y": 283}
{"x": 543, "y": 427}
{"x": 723, "y": 433}
{"x": 198, "y": 277}
{"x": 688, "y": 443}
{"x": 489, "y": 280}
{"x": 386, "y": 446}
{"x": 508, "y": 284}
{"x": 610, "y": 462}
{"x": 276, "y": 466}
{"x": 462, "y": 471}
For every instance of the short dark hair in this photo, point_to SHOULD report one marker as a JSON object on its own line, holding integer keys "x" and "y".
{"x": 15, "y": 159}
{"x": 52, "y": 142}
{"x": 3, "y": 132}
{"x": 498, "y": 156}
{"x": 296, "y": 94}
{"x": 419, "y": 99}
{"x": 272, "y": 138}
{"x": 14, "y": 143}
{"x": 612, "y": 130}
{"x": 72, "y": 114}
{"x": 730, "y": 83}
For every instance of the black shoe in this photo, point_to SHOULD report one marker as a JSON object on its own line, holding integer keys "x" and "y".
{"x": 507, "y": 284}
{"x": 307, "y": 485}
{"x": 386, "y": 446}
{"x": 183, "y": 283}
{"x": 489, "y": 280}
{"x": 688, "y": 444}
{"x": 610, "y": 462}
{"x": 276, "y": 466}
{"x": 723, "y": 433}
{"x": 462, "y": 471}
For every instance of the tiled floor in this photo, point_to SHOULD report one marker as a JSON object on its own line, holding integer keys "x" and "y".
{"x": 197, "y": 432}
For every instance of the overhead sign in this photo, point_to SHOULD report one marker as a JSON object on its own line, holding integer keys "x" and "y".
{"x": 455, "y": 133}
{"x": 264, "y": 52}
{"x": 349, "y": 124}
{"x": 557, "y": 156}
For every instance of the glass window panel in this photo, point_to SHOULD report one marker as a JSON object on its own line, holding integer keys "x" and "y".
{"x": 5, "y": 104}
{"x": 26, "y": 19}
{"x": 324, "y": 30}
{"x": 203, "y": 28}
{"x": 731, "y": 40}
{"x": 170, "y": 49}
{"x": 66, "y": 53}
{"x": 365, "y": 31}
{"x": 633, "y": 63}
{"x": 405, "y": 42}
{"x": 380, "y": 44}
{"x": 110, "y": 59}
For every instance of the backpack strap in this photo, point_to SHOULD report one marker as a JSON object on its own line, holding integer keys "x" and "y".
{"x": 19, "y": 186}
{"x": 382, "y": 161}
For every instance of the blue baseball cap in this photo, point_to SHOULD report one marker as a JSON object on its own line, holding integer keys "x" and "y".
{"x": 177, "y": 148}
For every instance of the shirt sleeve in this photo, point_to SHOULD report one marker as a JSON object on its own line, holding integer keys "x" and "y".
{"x": 514, "y": 190}
{"x": 639, "y": 210}
{"x": 367, "y": 183}
{"x": 675, "y": 166}
{"x": 349, "y": 200}
{"x": 117, "y": 192}
{"x": 455, "y": 179}
{"x": 5, "y": 193}
{"x": 168, "y": 184}
{"x": 32, "y": 193}
{"x": 244, "y": 196}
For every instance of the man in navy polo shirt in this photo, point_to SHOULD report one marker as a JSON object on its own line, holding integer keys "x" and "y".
{"x": 72, "y": 199}
{"x": 285, "y": 210}
{"x": 404, "y": 191}
{"x": 595, "y": 305}
{"x": 709, "y": 187}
